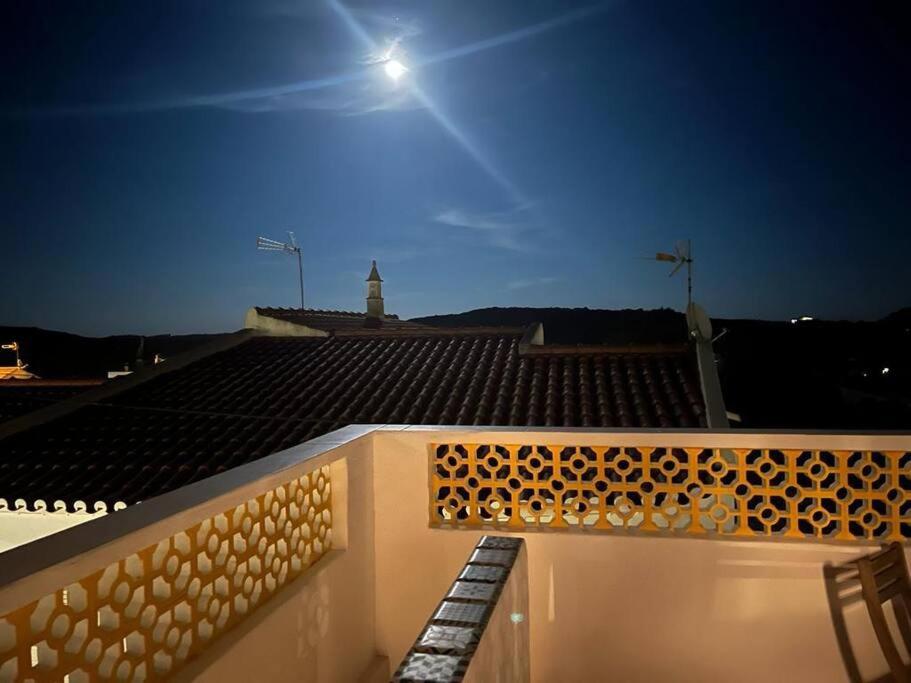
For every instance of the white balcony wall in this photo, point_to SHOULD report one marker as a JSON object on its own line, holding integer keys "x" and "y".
{"x": 18, "y": 527}
{"x": 628, "y": 608}
{"x": 602, "y": 605}
{"x": 319, "y": 628}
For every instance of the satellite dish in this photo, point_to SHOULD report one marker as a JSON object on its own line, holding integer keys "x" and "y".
{"x": 698, "y": 323}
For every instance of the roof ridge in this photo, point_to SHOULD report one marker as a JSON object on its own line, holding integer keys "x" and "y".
{"x": 265, "y": 310}
{"x": 318, "y": 311}
{"x": 430, "y": 332}
{"x": 62, "y": 382}
{"x": 607, "y": 349}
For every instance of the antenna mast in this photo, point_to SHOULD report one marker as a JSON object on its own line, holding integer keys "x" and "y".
{"x": 289, "y": 247}
{"x": 689, "y": 275}
{"x": 682, "y": 256}
{"x": 13, "y": 346}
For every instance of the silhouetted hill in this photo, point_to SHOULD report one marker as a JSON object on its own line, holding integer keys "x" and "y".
{"x": 900, "y": 317}
{"x": 57, "y": 355}
{"x": 817, "y": 374}
{"x": 578, "y": 325}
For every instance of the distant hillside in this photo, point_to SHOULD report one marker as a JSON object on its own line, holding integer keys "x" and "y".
{"x": 578, "y": 325}
{"x": 900, "y": 317}
{"x": 817, "y": 374}
{"x": 58, "y": 355}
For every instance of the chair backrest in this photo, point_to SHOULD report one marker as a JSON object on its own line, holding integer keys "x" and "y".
{"x": 884, "y": 578}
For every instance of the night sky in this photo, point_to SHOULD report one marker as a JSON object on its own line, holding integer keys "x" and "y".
{"x": 532, "y": 152}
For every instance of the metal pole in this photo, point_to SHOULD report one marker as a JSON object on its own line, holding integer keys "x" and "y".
{"x": 689, "y": 274}
{"x": 689, "y": 282}
{"x": 300, "y": 271}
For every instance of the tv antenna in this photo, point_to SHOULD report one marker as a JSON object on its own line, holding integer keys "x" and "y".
{"x": 289, "y": 247}
{"x": 682, "y": 256}
{"x": 13, "y": 346}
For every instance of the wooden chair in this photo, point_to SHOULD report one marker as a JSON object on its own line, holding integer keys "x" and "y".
{"x": 884, "y": 578}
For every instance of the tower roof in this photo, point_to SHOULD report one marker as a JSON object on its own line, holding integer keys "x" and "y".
{"x": 374, "y": 275}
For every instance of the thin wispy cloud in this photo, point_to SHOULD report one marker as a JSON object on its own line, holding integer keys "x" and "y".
{"x": 398, "y": 254}
{"x": 402, "y": 27}
{"x": 284, "y": 97}
{"x": 520, "y": 34}
{"x": 355, "y": 100}
{"x": 503, "y": 230}
{"x": 399, "y": 30}
{"x": 531, "y": 282}
{"x": 224, "y": 100}
{"x": 439, "y": 115}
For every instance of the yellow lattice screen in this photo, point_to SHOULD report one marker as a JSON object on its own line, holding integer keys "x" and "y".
{"x": 833, "y": 495}
{"x": 143, "y": 617}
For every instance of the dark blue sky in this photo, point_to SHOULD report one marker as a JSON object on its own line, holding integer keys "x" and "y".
{"x": 146, "y": 144}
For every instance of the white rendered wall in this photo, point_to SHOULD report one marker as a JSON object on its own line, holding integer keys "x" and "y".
{"x": 281, "y": 328}
{"x": 620, "y": 607}
{"x": 321, "y": 627}
{"x": 18, "y": 527}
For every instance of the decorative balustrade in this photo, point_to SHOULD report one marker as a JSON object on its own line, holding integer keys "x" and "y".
{"x": 143, "y": 617}
{"x": 833, "y": 495}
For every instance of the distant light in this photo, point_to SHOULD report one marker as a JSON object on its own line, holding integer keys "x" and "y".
{"x": 805, "y": 318}
{"x": 793, "y": 321}
{"x": 865, "y": 373}
{"x": 885, "y": 371}
{"x": 394, "y": 69}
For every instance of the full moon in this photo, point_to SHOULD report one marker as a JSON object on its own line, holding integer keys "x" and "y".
{"x": 394, "y": 69}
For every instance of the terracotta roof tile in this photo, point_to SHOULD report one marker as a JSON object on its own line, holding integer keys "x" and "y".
{"x": 270, "y": 393}
{"x": 18, "y": 397}
{"x": 339, "y": 322}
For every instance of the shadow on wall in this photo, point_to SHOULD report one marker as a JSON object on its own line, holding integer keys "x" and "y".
{"x": 860, "y": 651}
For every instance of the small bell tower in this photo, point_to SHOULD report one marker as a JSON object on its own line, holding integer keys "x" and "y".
{"x": 375, "y": 307}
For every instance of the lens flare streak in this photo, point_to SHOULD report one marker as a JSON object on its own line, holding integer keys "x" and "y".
{"x": 445, "y": 122}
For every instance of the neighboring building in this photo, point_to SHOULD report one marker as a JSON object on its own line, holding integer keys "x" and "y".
{"x": 13, "y": 372}
{"x": 296, "y": 322}
{"x": 22, "y": 392}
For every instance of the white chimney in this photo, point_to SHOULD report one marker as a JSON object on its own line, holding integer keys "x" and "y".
{"x": 375, "y": 308}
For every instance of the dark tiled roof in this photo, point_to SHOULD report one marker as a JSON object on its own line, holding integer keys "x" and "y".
{"x": 335, "y": 321}
{"x": 270, "y": 393}
{"x": 18, "y": 397}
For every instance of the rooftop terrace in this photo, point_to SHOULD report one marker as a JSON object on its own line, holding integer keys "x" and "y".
{"x": 684, "y": 555}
